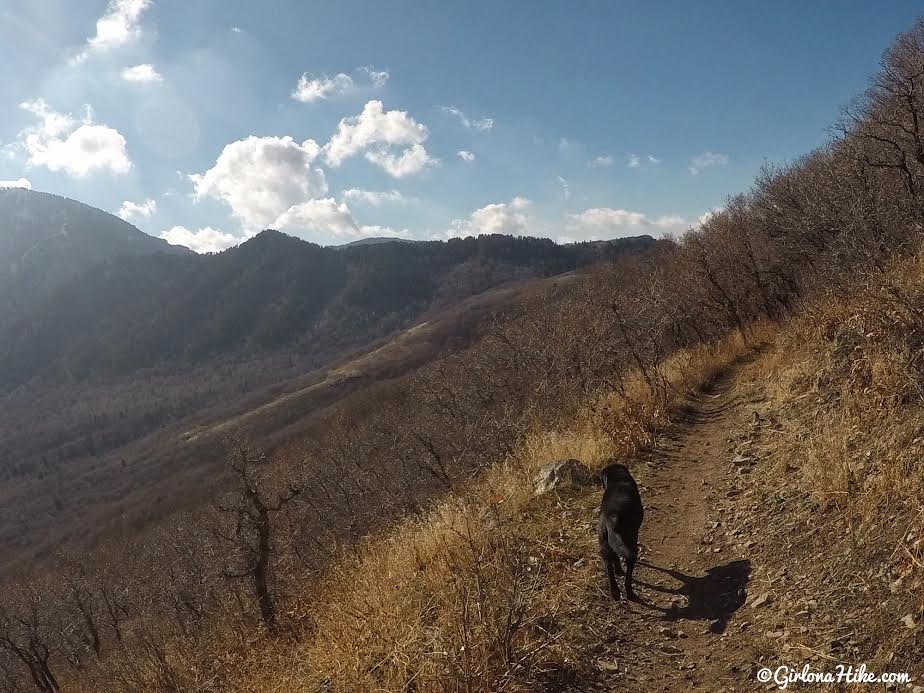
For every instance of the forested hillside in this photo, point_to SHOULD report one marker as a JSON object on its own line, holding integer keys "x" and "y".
{"x": 272, "y": 292}
{"x": 47, "y": 240}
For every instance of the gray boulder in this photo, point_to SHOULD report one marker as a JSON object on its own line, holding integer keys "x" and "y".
{"x": 562, "y": 473}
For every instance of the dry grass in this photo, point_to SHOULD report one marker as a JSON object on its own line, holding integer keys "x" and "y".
{"x": 844, "y": 450}
{"x": 469, "y": 597}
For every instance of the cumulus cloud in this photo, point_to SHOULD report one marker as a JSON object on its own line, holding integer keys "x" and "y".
{"x": 377, "y": 133}
{"x": 602, "y": 161}
{"x": 466, "y": 156}
{"x": 374, "y": 197}
{"x": 205, "y": 240}
{"x": 654, "y": 160}
{"x": 606, "y": 222}
{"x": 119, "y": 25}
{"x": 19, "y": 183}
{"x": 320, "y": 215}
{"x": 329, "y": 216}
{"x": 310, "y": 88}
{"x": 502, "y": 217}
{"x": 412, "y": 160}
{"x": 142, "y": 74}
{"x": 260, "y": 178}
{"x": 707, "y": 160}
{"x": 59, "y": 142}
{"x": 130, "y": 210}
{"x": 377, "y": 78}
{"x": 483, "y": 124}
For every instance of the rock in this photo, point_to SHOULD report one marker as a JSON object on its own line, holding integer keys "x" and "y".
{"x": 761, "y": 600}
{"x": 908, "y": 620}
{"x": 561, "y": 473}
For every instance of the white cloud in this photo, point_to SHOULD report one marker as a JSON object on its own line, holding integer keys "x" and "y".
{"x": 633, "y": 161}
{"x": 145, "y": 209}
{"x": 260, "y": 178}
{"x": 605, "y": 222}
{"x": 142, "y": 74}
{"x": 565, "y": 189}
{"x": 237, "y": 30}
{"x": 310, "y": 89}
{"x": 704, "y": 218}
{"x": 320, "y": 215}
{"x": 412, "y": 160}
{"x": 376, "y": 132}
{"x": 602, "y": 161}
{"x": 707, "y": 159}
{"x": 503, "y": 217}
{"x": 121, "y": 24}
{"x": 466, "y": 156}
{"x": 654, "y": 160}
{"x": 20, "y": 183}
{"x": 61, "y": 143}
{"x": 374, "y": 197}
{"x": 377, "y": 78}
{"x": 207, "y": 240}
{"x": 483, "y": 124}
{"x": 329, "y": 216}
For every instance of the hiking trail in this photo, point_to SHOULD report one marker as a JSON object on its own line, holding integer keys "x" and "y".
{"x": 688, "y": 633}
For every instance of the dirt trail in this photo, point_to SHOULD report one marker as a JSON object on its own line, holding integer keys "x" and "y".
{"x": 689, "y": 632}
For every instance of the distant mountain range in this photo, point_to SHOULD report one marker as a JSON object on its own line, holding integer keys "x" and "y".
{"x": 89, "y": 293}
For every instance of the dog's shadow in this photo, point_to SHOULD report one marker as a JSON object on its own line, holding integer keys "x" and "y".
{"x": 713, "y": 597}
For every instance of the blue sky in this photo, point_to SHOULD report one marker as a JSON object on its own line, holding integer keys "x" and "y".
{"x": 208, "y": 120}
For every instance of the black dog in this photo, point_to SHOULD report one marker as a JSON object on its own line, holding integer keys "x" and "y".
{"x": 621, "y": 515}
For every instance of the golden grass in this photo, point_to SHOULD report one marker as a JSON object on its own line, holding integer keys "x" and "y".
{"x": 466, "y": 597}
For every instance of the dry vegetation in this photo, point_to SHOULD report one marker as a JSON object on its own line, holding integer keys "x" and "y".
{"x": 304, "y": 576}
{"x": 840, "y": 435}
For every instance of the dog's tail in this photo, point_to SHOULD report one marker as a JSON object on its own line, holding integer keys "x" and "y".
{"x": 618, "y": 544}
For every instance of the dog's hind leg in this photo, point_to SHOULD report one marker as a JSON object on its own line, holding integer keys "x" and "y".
{"x": 608, "y": 557}
{"x": 631, "y": 560}
{"x": 611, "y": 562}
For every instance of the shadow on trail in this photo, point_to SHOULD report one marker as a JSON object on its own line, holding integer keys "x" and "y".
{"x": 713, "y": 597}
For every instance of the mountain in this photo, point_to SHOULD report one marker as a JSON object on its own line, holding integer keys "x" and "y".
{"x": 375, "y": 240}
{"x": 47, "y": 240}
{"x": 272, "y": 293}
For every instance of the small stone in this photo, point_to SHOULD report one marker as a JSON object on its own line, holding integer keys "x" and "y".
{"x": 761, "y": 600}
{"x": 908, "y": 620}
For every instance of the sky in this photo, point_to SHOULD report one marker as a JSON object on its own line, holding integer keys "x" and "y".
{"x": 206, "y": 121}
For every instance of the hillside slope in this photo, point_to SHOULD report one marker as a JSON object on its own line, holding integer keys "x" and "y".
{"x": 47, "y": 240}
{"x": 273, "y": 292}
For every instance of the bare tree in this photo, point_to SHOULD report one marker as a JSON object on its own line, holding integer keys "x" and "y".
{"x": 251, "y": 508}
